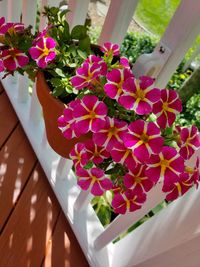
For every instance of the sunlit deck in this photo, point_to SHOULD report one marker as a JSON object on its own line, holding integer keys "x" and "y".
{"x": 33, "y": 228}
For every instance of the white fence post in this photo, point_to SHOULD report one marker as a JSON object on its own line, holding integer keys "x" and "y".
{"x": 118, "y": 18}
{"x": 78, "y": 12}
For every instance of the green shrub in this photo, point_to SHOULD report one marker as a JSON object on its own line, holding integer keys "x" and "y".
{"x": 136, "y": 44}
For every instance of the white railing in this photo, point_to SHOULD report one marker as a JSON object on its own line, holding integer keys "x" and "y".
{"x": 169, "y": 238}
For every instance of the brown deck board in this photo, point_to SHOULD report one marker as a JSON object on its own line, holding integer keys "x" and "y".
{"x": 31, "y": 224}
{"x": 8, "y": 119}
{"x": 68, "y": 253}
{"x": 17, "y": 161}
{"x": 33, "y": 230}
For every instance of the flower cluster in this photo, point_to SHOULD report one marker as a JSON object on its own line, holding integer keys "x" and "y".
{"x": 132, "y": 141}
{"x": 54, "y": 50}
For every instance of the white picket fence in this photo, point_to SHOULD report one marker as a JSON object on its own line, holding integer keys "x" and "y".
{"x": 171, "y": 237}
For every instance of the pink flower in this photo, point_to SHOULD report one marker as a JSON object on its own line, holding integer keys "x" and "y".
{"x": 186, "y": 180}
{"x": 123, "y": 155}
{"x": 95, "y": 59}
{"x": 86, "y": 74}
{"x": 144, "y": 138}
{"x": 4, "y": 27}
{"x": 139, "y": 95}
{"x": 43, "y": 51}
{"x": 42, "y": 34}
{"x": 127, "y": 201}
{"x": 138, "y": 180}
{"x": 111, "y": 134}
{"x": 167, "y": 107}
{"x": 1, "y": 66}
{"x": 115, "y": 79}
{"x": 14, "y": 58}
{"x": 15, "y": 27}
{"x": 166, "y": 166}
{"x": 189, "y": 141}
{"x": 110, "y": 49}
{"x": 95, "y": 153}
{"x": 66, "y": 121}
{"x": 90, "y": 115}
{"x": 124, "y": 62}
{"x": 95, "y": 180}
{"x": 79, "y": 155}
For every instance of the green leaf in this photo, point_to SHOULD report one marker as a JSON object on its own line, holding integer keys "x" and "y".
{"x": 82, "y": 54}
{"x": 88, "y": 165}
{"x": 60, "y": 72}
{"x": 63, "y": 13}
{"x": 78, "y": 32}
{"x": 104, "y": 214}
{"x": 84, "y": 44}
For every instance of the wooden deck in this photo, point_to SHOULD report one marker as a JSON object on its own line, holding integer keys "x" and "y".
{"x": 33, "y": 228}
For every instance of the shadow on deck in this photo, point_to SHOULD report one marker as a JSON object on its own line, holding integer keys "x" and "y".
{"x": 33, "y": 228}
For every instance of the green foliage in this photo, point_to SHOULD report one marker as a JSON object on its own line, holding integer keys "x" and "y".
{"x": 191, "y": 112}
{"x": 148, "y": 13}
{"x": 136, "y": 44}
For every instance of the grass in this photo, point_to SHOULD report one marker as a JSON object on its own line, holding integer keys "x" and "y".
{"x": 155, "y": 15}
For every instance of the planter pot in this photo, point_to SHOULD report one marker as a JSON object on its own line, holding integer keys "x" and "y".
{"x": 53, "y": 108}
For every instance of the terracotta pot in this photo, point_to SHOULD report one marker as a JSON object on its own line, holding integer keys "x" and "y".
{"x": 52, "y": 109}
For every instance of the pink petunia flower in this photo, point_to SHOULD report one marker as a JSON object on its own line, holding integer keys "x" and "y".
{"x": 186, "y": 180}
{"x": 95, "y": 59}
{"x": 127, "y": 201}
{"x": 86, "y": 74}
{"x": 66, "y": 121}
{"x": 124, "y": 62}
{"x": 95, "y": 180}
{"x": 4, "y": 26}
{"x": 115, "y": 79}
{"x": 123, "y": 155}
{"x": 43, "y": 51}
{"x": 15, "y": 27}
{"x": 189, "y": 141}
{"x": 79, "y": 155}
{"x": 14, "y": 58}
{"x": 90, "y": 115}
{"x": 110, "y": 49}
{"x": 139, "y": 95}
{"x": 144, "y": 138}
{"x": 1, "y": 66}
{"x": 111, "y": 134}
{"x": 167, "y": 107}
{"x": 137, "y": 179}
{"x": 95, "y": 153}
{"x": 166, "y": 166}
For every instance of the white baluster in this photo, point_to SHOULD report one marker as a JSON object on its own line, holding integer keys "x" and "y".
{"x": 82, "y": 200}
{"x": 64, "y": 167}
{"x": 119, "y": 16}
{"x": 78, "y": 12}
{"x": 14, "y": 10}
{"x": 4, "y": 9}
{"x": 123, "y": 222}
{"x": 29, "y": 12}
{"x": 23, "y": 86}
{"x": 35, "y": 110}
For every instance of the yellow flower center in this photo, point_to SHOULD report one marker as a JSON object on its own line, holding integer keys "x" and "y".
{"x": 92, "y": 114}
{"x": 145, "y": 138}
{"x": 165, "y": 106}
{"x": 140, "y": 94}
{"x": 138, "y": 180}
{"x": 164, "y": 163}
{"x": 45, "y": 51}
{"x": 113, "y": 130}
{"x": 189, "y": 170}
